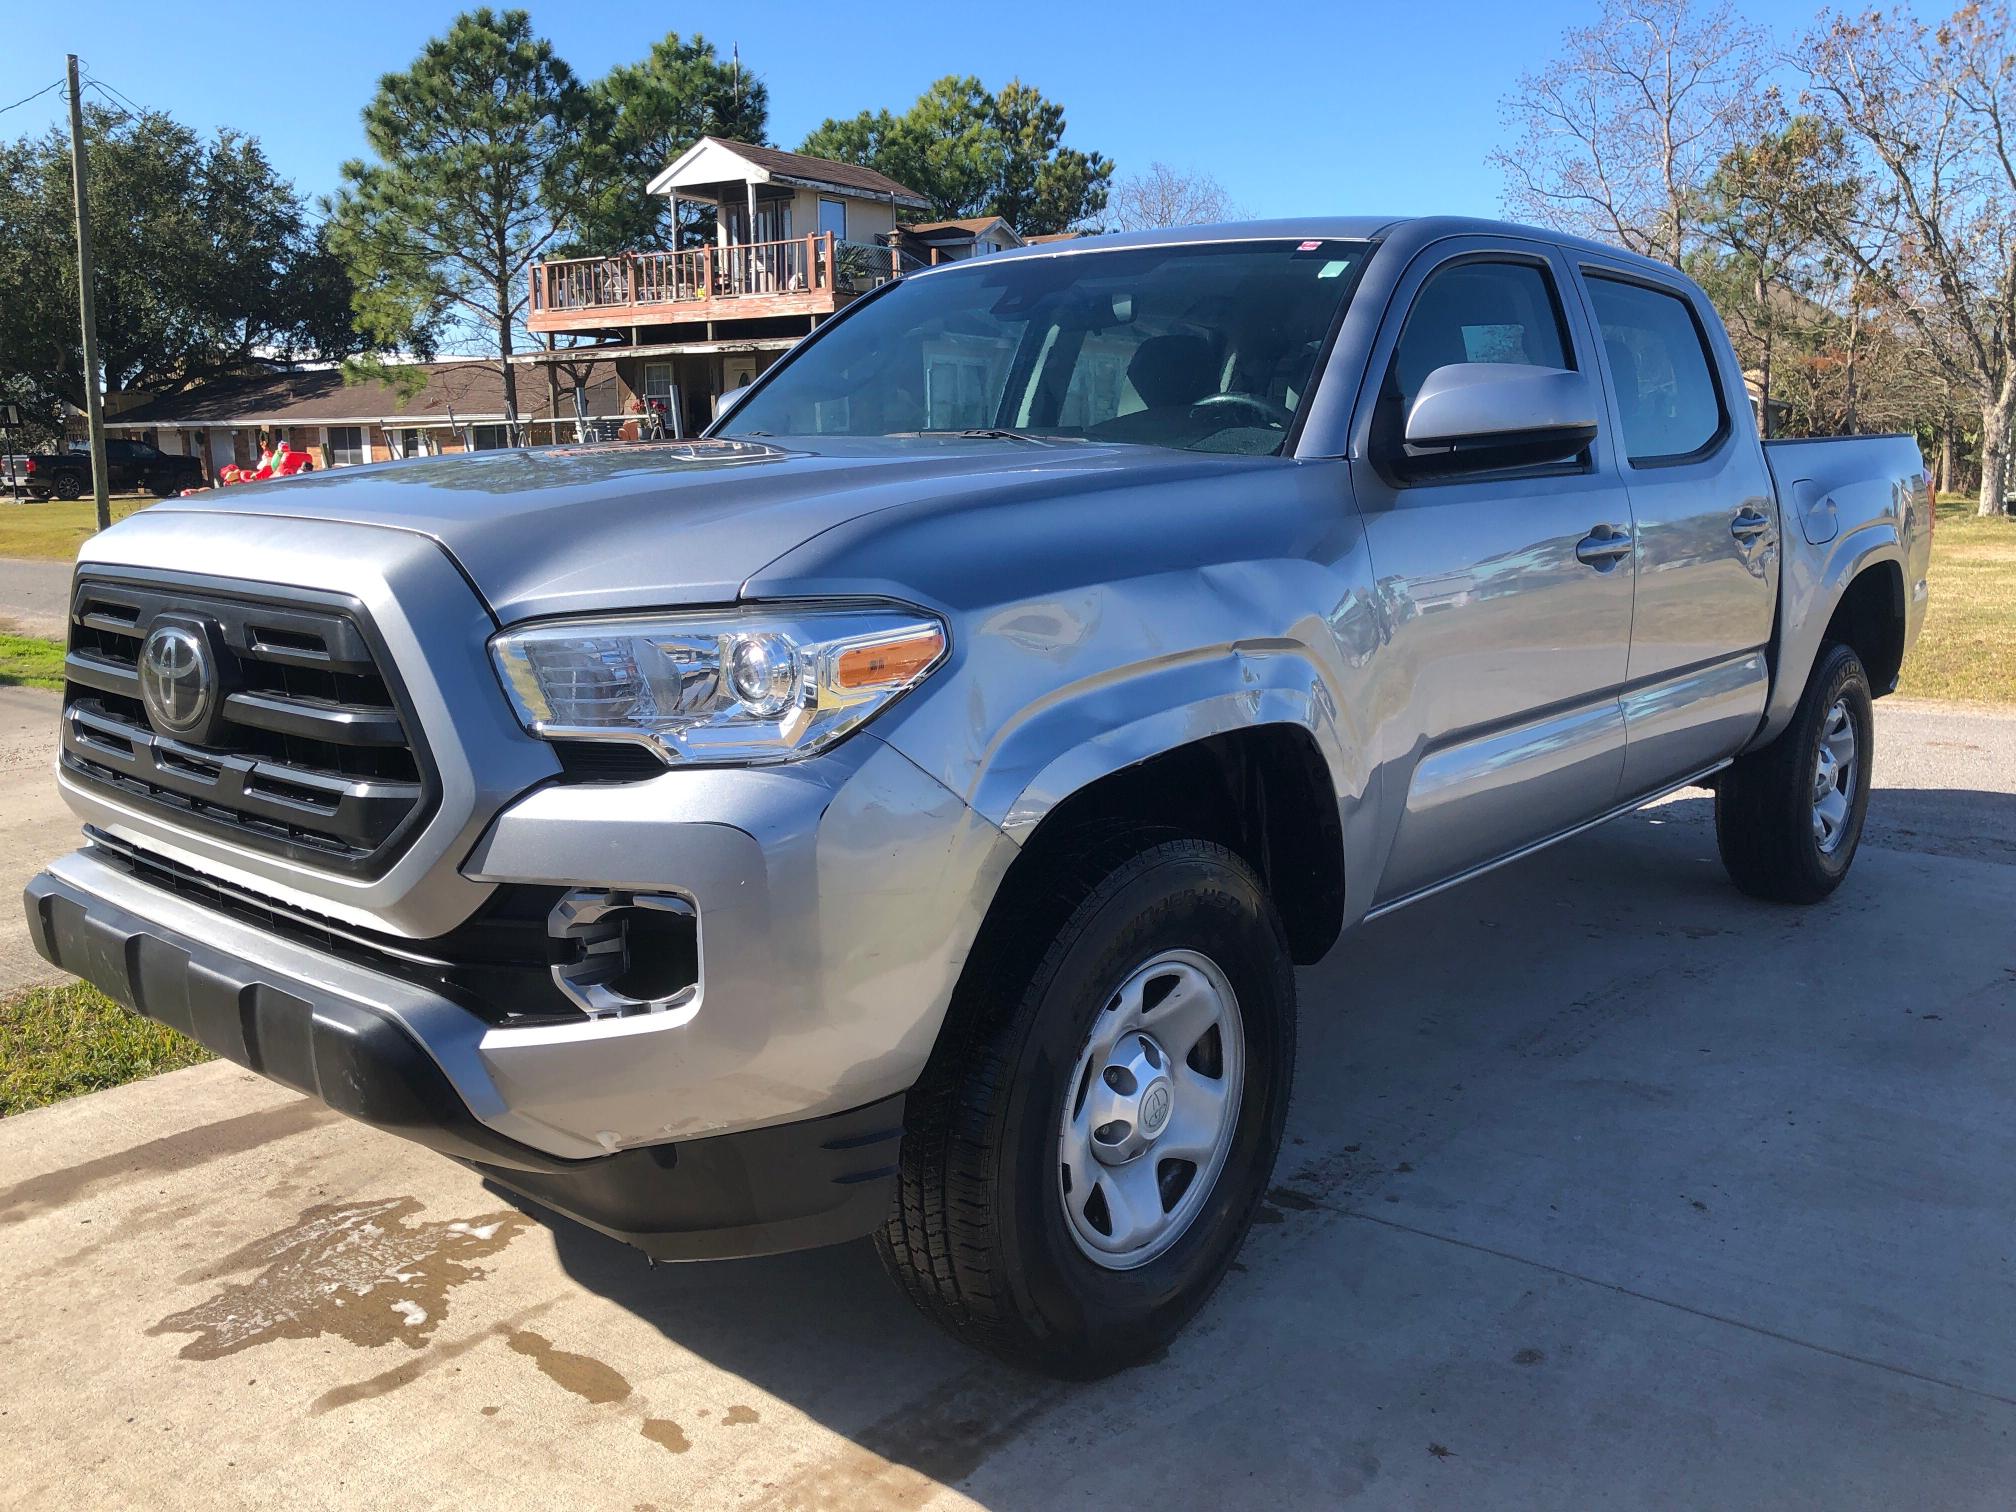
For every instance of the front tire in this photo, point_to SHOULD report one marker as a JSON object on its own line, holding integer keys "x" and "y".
{"x": 1788, "y": 818}
{"x": 1086, "y": 1150}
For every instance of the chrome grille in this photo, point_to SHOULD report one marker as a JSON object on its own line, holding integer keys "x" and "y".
{"x": 311, "y": 753}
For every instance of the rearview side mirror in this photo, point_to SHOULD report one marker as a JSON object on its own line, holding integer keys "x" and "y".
{"x": 729, "y": 400}
{"x": 1486, "y": 416}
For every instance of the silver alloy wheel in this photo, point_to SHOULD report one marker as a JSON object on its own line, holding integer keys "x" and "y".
{"x": 1834, "y": 771}
{"x": 1150, "y": 1109}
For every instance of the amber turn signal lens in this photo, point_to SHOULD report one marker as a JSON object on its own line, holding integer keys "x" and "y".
{"x": 894, "y": 661}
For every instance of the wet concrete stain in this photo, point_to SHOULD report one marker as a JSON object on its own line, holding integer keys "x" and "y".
{"x": 667, "y": 1434}
{"x": 408, "y": 1371}
{"x": 361, "y": 1271}
{"x": 173, "y": 1152}
{"x": 739, "y": 1414}
{"x": 586, "y": 1377}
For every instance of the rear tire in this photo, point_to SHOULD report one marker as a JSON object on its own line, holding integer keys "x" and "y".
{"x": 68, "y": 488}
{"x": 1138, "y": 938}
{"x": 1788, "y": 818}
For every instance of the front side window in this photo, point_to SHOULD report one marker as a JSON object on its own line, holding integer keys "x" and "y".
{"x": 1204, "y": 347}
{"x": 1666, "y": 391}
{"x": 1479, "y": 312}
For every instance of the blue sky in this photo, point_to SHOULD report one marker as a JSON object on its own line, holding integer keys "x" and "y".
{"x": 1334, "y": 107}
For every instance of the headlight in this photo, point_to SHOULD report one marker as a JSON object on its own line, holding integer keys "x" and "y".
{"x": 751, "y": 685}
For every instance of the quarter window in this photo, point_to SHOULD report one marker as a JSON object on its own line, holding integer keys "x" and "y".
{"x": 1659, "y": 363}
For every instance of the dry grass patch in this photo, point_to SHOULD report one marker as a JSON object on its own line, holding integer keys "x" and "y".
{"x": 53, "y": 531}
{"x": 1967, "y": 649}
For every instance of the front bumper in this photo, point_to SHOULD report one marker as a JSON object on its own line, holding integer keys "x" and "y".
{"x": 354, "y": 1039}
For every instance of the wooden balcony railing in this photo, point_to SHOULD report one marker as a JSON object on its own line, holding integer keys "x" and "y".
{"x": 629, "y": 280}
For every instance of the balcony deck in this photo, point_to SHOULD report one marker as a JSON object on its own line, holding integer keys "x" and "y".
{"x": 808, "y": 275}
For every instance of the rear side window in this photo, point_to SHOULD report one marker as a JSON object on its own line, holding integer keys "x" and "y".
{"x": 1659, "y": 361}
{"x": 1479, "y": 312}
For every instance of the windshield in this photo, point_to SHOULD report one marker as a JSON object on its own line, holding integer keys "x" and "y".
{"x": 1205, "y": 347}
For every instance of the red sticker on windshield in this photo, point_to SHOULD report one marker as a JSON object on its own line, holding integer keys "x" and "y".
{"x": 1309, "y": 246}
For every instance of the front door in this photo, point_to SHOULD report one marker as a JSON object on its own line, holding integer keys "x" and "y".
{"x": 1706, "y": 526}
{"x": 1506, "y": 596}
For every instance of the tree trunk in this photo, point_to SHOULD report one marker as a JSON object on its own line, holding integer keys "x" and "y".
{"x": 1946, "y": 453}
{"x": 1994, "y": 455}
{"x": 510, "y": 375}
{"x": 1762, "y": 292}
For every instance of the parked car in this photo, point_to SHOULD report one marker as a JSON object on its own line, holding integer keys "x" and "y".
{"x": 901, "y": 812}
{"x": 131, "y": 467}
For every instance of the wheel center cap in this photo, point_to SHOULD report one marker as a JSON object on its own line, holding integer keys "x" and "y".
{"x": 1155, "y": 1105}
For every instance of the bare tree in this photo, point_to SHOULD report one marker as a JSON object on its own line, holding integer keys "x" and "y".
{"x": 1931, "y": 114}
{"x": 1166, "y": 196}
{"x": 1630, "y": 119}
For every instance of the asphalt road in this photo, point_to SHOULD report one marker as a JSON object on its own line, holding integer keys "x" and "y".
{"x": 34, "y": 597}
{"x": 1605, "y": 1186}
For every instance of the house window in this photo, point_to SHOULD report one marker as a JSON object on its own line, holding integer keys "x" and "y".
{"x": 489, "y": 437}
{"x": 346, "y": 446}
{"x": 833, "y": 218}
{"x": 661, "y": 392}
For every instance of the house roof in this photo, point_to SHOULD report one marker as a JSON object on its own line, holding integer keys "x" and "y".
{"x": 1052, "y": 236}
{"x": 464, "y": 390}
{"x": 973, "y": 225}
{"x": 774, "y": 163}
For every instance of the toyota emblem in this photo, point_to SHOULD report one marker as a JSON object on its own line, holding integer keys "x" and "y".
{"x": 178, "y": 680}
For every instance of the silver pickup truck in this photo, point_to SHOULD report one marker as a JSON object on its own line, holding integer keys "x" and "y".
{"x": 901, "y": 811}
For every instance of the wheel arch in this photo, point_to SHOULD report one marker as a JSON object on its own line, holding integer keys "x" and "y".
{"x": 1263, "y": 790}
{"x": 1852, "y": 592}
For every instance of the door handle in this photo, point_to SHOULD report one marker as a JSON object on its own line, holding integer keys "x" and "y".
{"x": 1603, "y": 547}
{"x": 1749, "y": 523}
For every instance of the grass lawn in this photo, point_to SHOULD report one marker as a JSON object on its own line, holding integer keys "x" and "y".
{"x": 56, "y": 1042}
{"x": 54, "y": 531}
{"x": 31, "y": 663}
{"x": 1967, "y": 649}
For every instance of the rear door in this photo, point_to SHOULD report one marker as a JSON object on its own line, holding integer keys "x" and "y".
{"x": 1706, "y": 524}
{"x": 1506, "y": 597}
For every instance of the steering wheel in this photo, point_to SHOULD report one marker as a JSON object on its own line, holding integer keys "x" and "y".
{"x": 1275, "y": 416}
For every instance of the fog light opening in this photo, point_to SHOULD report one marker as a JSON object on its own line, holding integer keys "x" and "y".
{"x": 618, "y": 953}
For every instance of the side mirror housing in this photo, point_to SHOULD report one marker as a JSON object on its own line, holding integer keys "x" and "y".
{"x": 1486, "y": 416}
{"x": 729, "y": 400}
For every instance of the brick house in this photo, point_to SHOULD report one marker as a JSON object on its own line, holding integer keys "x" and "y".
{"x": 460, "y": 408}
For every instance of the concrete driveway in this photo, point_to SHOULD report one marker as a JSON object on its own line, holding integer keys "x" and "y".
{"x": 1606, "y": 1186}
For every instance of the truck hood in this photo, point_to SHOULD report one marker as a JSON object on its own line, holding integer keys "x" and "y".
{"x": 620, "y": 526}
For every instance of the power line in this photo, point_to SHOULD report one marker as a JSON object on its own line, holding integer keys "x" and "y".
{"x": 111, "y": 90}
{"x": 58, "y": 84}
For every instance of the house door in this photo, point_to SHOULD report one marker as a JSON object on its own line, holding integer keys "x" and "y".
{"x": 756, "y": 264}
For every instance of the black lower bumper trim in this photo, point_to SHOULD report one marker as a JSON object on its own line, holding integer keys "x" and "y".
{"x": 761, "y": 1192}
{"x": 796, "y": 1185}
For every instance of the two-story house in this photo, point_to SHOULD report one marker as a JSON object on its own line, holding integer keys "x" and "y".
{"x": 795, "y": 238}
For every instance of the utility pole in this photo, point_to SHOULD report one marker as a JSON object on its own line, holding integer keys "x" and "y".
{"x": 94, "y": 407}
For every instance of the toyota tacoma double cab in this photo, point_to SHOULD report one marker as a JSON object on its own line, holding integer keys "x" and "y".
{"x": 901, "y": 811}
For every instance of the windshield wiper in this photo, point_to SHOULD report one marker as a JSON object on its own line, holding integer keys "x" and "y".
{"x": 990, "y": 433}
